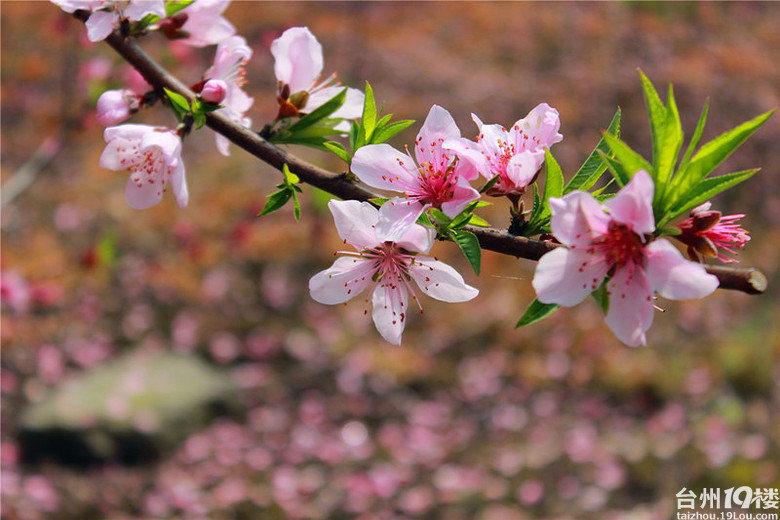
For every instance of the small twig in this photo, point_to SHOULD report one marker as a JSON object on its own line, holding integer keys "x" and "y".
{"x": 747, "y": 280}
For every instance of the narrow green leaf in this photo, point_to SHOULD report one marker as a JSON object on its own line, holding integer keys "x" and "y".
{"x": 704, "y": 191}
{"x": 289, "y": 177}
{"x": 174, "y": 6}
{"x": 537, "y": 311}
{"x": 619, "y": 173}
{"x": 389, "y": 131}
{"x": 276, "y": 200}
{"x": 666, "y": 158}
{"x": 631, "y": 161}
{"x": 712, "y": 154}
{"x": 696, "y": 136}
{"x": 296, "y": 206}
{"x": 602, "y": 296}
{"x": 379, "y": 201}
{"x": 462, "y": 219}
{"x": 368, "y": 120}
{"x": 553, "y": 187}
{"x": 594, "y": 166}
{"x": 319, "y": 113}
{"x": 476, "y": 220}
{"x": 656, "y": 112}
{"x": 199, "y": 120}
{"x": 354, "y": 129}
{"x": 179, "y": 103}
{"x": 384, "y": 120}
{"x": 339, "y": 150}
{"x": 489, "y": 184}
{"x": 439, "y": 215}
{"x": 469, "y": 244}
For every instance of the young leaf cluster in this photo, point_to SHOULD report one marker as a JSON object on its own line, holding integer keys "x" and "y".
{"x": 453, "y": 230}
{"x": 190, "y": 113}
{"x": 684, "y": 184}
{"x": 373, "y": 128}
{"x": 171, "y": 8}
{"x": 288, "y": 189}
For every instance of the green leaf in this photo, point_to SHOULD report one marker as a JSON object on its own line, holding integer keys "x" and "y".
{"x": 469, "y": 244}
{"x": 439, "y": 215}
{"x": 489, "y": 184}
{"x": 666, "y": 158}
{"x": 319, "y": 113}
{"x": 276, "y": 200}
{"x": 368, "y": 119}
{"x": 476, "y": 220}
{"x": 704, "y": 191}
{"x": 711, "y": 155}
{"x": 379, "y": 201}
{"x": 174, "y": 6}
{"x": 339, "y": 150}
{"x": 289, "y": 177}
{"x": 553, "y": 187}
{"x": 199, "y": 120}
{"x": 631, "y": 161}
{"x": 383, "y": 121}
{"x": 296, "y": 206}
{"x": 696, "y": 135}
{"x": 602, "y": 296}
{"x": 656, "y": 112}
{"x": 389, "y": 131}
{"x": 594, "y": 166}
{"x": 619, "y": 173}
{"x": 537, "y": 311}
{"x": 354, "y": 129}
{"x": 179, "y": 103}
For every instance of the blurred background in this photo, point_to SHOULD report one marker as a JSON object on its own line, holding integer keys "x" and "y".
{"x": 170, "y": 363}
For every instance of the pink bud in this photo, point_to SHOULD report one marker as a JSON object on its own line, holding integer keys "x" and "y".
{"x": 114, "y": 106}
{"x": 214, "y": 91}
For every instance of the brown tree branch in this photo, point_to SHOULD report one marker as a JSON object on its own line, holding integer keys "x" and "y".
{"x": 747, "y": 280}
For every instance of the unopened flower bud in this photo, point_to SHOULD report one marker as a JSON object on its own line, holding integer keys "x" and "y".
{"x": 114, "y": 106}
{"x": 214, "y": 91}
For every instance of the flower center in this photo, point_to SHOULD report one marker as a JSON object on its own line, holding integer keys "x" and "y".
{"x": 436, "y": 184}
{"x": 621, "y": 246}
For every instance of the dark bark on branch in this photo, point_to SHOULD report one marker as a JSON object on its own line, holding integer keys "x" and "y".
{"x": 747, "y": 280}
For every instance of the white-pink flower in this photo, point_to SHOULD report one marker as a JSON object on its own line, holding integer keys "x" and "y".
{"x": 515, "y": 155}
{"x": 106, "y": 13}
{"x": 298, "y": 63}
{"x": 152, "y": 156}
{"x": 386, "y": 268}
{"x": 438, "y": 178}
{"x": 612, "y": 239}
{"x": 115, "y": 106}
{"x": 15, "y": 292}
{"x": 205, "y": 23}
{"x": 232, "y": 55}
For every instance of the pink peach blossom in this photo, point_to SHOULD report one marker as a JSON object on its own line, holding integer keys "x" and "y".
{"x": 298, "y": 64}
{"x": 152, "y": 155}
{"x": 115, "y": 106}
{"x": 515, "y": 155}
{"x": 614, "y": 239}
{"x": 440, "y": 181}
{"x": 386, "y": 268}
{"x": 232, "y": 55}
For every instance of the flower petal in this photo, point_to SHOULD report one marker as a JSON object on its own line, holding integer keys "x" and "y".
{"x": 633, "y": 204}
{"x": 469, "y": 151}
{"x": 630, "y": 311}
{"x": 143, "y": 195}
{"x": 178, "y": 182}
{"x": 417, "y": 239}
{"x": 674, "y": 277}
{"x": 439, "y": 280}
{"x": 522, "y": 168}
{"x": 168, "y": 143}
{"x": 100, "y": 24}
{"x": 382, "y": 166}
{"x": 566, "y": 276}
{"x": 390, "y": 304}
{"x": 396, "y": 216}
{"x": 346, "y": 278}
{"x": 356, "y": 222}
{"x": 462, "y": 195}
{"x": 298, "y": 58}
{"x": 537, "y": 130}
{"x": 437, "y": 128}
{"x": 577, "y": 219}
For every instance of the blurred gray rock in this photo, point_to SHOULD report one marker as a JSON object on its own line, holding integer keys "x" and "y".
{"x": 132, "y": 410}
